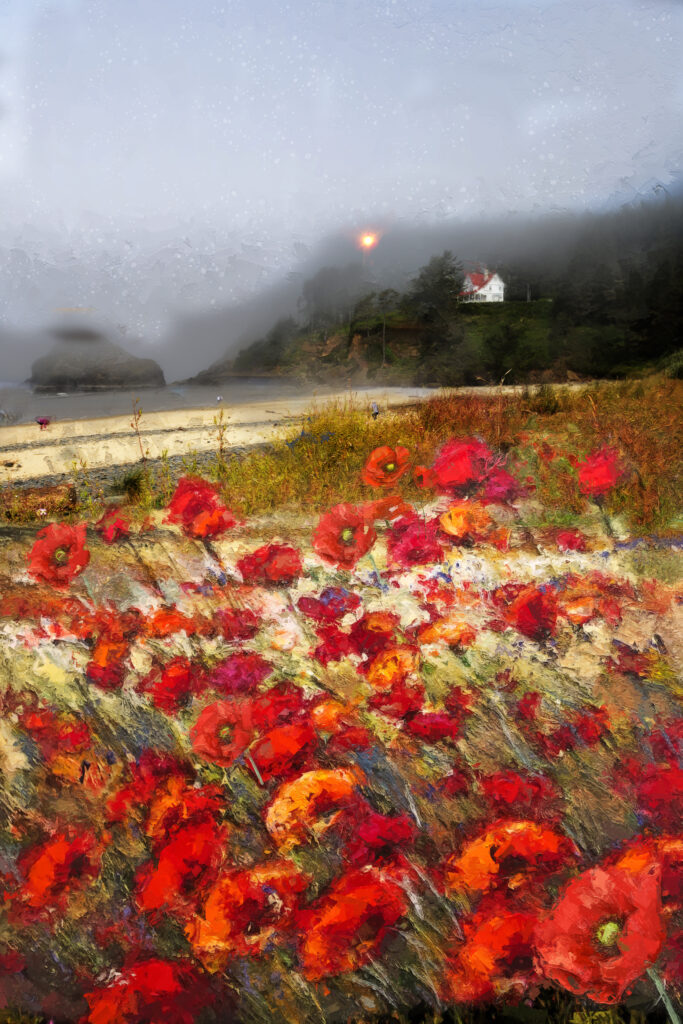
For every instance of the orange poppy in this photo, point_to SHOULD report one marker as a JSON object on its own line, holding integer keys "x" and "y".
{"x": 244, "y": 910}
{"x": 392, "y": 666}
{"x": 468, "y": 520}
{"x": 385, "y": 466}
{"x": 311, "y": 804}
{"x": 509, "y": 851}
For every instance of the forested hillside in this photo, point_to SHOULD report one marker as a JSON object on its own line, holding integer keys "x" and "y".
{"x": 599, "y": 297}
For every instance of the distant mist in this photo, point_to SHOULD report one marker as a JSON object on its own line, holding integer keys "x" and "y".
{"x": 188, "y": 301}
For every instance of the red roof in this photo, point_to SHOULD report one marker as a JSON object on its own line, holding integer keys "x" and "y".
{"x": 477, "y": 281}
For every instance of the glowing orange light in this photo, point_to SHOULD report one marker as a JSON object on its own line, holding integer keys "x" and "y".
{"x": 368, "y": 241}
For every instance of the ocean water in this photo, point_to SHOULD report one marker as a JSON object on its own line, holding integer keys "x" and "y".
{"x": 19, "y": 403}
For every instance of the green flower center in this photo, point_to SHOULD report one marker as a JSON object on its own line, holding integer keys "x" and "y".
{"x": 608, "y": 932}
{"x": 61, "y": 556}
{"x": 390, "y": 467}
{"x": 347, "y": 535}
{"x": 225, "y": 734}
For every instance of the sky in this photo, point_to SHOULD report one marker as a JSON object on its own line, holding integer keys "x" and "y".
{"x": 325, "y": 110}
{"x": 274, "y": 123}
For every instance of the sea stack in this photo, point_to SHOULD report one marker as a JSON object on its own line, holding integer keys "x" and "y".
{"x": 83, "y": 358}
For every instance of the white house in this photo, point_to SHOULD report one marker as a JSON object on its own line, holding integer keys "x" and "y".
{"x": 482, "y": 287}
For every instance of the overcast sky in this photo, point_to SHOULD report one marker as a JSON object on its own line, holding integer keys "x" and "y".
{"x": 313, "y": 114}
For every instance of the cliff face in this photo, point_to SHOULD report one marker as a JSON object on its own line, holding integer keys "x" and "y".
{"x": 87, "y": 360}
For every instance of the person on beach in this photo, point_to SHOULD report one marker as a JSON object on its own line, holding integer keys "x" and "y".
{"x": 43, "y": 421}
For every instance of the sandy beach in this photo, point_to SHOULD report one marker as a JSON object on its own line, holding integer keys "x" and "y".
{"x": 103, "y": 442}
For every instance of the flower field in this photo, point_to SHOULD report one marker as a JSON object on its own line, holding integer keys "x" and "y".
{"x": 410, "y": 758}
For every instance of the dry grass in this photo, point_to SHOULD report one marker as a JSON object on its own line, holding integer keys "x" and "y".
{"x": 642, "y": 419}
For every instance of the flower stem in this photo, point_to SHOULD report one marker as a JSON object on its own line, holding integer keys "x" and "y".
{"x": 663, "y": 995}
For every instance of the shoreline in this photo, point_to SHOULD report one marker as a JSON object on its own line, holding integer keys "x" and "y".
{"x": 106, "y": 444}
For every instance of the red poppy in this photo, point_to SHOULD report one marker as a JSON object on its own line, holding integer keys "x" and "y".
{"x": 333, "y": 603}
{"x": 112, "y": 526}
{"x": 400, "y": 701}
{"x": 155, "y": 991}
{"x": 107, "y": 665}
{"x": 530, "y": 609}
{"x": 343, "y": 536}
{"x": 189, "y": 855}
{"x": 197, "y": 507}
{"x": 55, "y": 733}
{"x": 54, "y": 869}
{"x": 346, "y": 927}
{"x": 170, "y": 687}
{"x": 424, "y": 477}
{"x": 245, "y": 910}
{"x": 59, "y": 554}
{"x": 281, "y": 749}
{"x": 461, "y": 464}
{"x": 240, "y": 672}
{"x": 271, "y": 564}
{"x": 226, "y": 728}
{"x": 385, "y": 466}
{"x": 600, "y": 471}
{"x": 496, "y": 958}
{"x": 603, "y": 933}
{"x": 414, "y": 542}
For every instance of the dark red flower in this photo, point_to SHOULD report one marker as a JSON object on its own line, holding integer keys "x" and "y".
{"x": 378, "y": 837}
{"x": 461, "y": 464}
{"x": 401, "y": 701}
{"x": 660, "y": 795}
{"x": 112, "y": 526}
{"x": 500, "y": 486}
{"x": 196, "y": 506}
{"x": 523, "y": 794}
{"x": 171, "y": 686}
{"x": 240, "y": 672}
{"x": 373, "y": 632}
{"x": 271, "y": 564}
{"x": 151, "y": 991}
{"x": 414, "y": 542}
{"x": 333, "y": 603}
{"x": 600, "y": 471}
{"x": 433, "y": 726}
{"x": 334, "y": 645}
{"x": 528, "y": 705}
{"x": 385, "y": 466}
{"x": 59, "y": 554}
{"x": 570, "y": 540}
{"x": 343, "y": 536}
{"x": 189, "y": 856}
{"x": 345, "y": 928}
{"x": 235, "y": 623}
{"x": 603, "y": 933}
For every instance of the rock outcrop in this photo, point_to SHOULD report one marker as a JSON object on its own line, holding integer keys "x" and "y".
{"x": 85, "y": 359}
